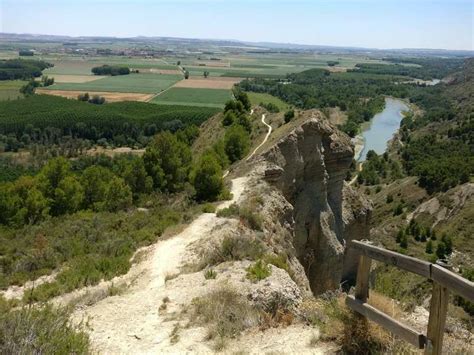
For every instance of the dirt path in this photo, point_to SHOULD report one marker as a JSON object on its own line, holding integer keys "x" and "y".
{"x": 131, "y": 322}
{"x": 264, "y": 141}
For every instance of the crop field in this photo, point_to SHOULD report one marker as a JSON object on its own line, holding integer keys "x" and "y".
{"x": 78, "y": 79}
{"x": 10, "y": 89}
{"x": 108, "y": 96}
{"x": 208, "y": 83}
{"x": 70, "y": 67}
{"x": 194, "y": 97}
{"x": 135, "y": 83}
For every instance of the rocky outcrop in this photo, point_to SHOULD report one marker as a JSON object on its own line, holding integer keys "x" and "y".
{"x": 316, "y": 209}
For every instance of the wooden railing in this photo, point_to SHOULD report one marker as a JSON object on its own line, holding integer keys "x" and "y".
{"x": 444, "y": 281}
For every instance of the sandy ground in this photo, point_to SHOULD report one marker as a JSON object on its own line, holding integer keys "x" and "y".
{"x": 109, "y": 96}
{"x": 208, "y": 83}
{"x": 131, "y": 322}
{"x": 60, "y": 78}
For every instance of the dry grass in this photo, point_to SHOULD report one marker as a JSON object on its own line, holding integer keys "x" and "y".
{"x": 63, "y": 78}
{"x": 109, "y": 96}
{"x": 226, "y": 314}
{"x": 208, "y": 83}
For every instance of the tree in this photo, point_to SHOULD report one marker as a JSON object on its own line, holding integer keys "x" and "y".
{"x": 229, "y": 119}
{"x": 448, "y": 243}
{"x": 135, "y": 175}
{"x": 429, "y": 247}
{"x": 206, "y": 74}
{"x": 68, "y": 196}
{"x": 289, "y": 115}
{"x": 52, "y": 174}
{"x": 441, "y": 251}
{"x": 404, "y": 242}
{"x": 400, "y": 235}
{"x": 207, "y": 178}
{"x": 186, "y": 74}
{"x": 118, "y": 195}
{"x": 167, "y": 160}
{"x": 95, "y": 180}
{"x": 244, "y": 121}
{"x": 237, "y": 143}
{"x": 244, "y": 99}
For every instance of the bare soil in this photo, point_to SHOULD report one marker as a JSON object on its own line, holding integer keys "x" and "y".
{"x": 109, "y": 96}
{"x": 208, "y": 83}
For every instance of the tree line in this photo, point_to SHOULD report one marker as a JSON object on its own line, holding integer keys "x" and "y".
{"x": 112, "y": 70}
{"x": 22, "y": 69}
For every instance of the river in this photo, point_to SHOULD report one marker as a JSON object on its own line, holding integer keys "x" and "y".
{"x": 382, "y": 128}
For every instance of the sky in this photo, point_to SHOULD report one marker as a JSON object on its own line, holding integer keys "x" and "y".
{"x": 446, "y": 24}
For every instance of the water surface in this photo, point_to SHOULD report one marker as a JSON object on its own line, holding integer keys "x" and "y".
{"x": 382, "y": 127}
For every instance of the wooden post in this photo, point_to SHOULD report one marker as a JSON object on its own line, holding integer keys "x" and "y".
{"x": 362, "y": 283}
{"x": 437, "y": 320}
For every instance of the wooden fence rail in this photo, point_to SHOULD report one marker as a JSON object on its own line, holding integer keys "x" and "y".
{"x": 443, "y": 279}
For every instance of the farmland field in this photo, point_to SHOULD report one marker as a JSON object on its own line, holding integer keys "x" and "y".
{"x": 208, "y": 83}
{"x": 138, "y": 83}
{"x": 108, "y": 96}
{"x": 10, "y": 89}
{"x": 194, "y": 97}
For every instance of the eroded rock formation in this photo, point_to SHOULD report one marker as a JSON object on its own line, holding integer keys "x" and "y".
{"x": 322, "y": 213}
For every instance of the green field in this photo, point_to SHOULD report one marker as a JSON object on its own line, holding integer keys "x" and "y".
{"x": 10, "y": 89}
{"x": 258, "y": 98}
{"x": 70, "y": 67}
{"x": 139, "y": 83}
{"x": 194, "y": 97}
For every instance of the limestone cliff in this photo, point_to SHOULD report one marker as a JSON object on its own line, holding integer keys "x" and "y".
{"x": 308, "y": 202}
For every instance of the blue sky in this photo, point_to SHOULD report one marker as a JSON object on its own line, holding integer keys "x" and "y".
{"x": 363, "y": 23}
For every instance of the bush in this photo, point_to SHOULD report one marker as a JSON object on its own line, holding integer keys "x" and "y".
{"x": 233, "y": 248}
{"x": 208, "y": 208}
{"x": 289, "y": 115}
{"x": 225, "y": 312}
{"x": 258, "y": 271}
{"x": 210, "y": 274}
{"x": 45, "y": 330}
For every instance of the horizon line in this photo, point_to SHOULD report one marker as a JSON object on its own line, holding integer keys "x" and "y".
{"x": 241, "y": 41}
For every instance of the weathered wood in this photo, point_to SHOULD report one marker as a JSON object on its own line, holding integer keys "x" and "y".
{"x": 401, "y": 330}
{"x": 437, "y": 319}
{"x": 389, "y": 257}
{"x": 362, "y": 283}
{"x": 453, "y": 282}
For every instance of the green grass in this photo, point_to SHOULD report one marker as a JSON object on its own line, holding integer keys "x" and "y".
{"x": 196, "y": 97}
{"x": 71, "y": 67}
{"x": 139, "y": 83}
{"x": 258, "y": 98}
{"x": 10, "y": 89}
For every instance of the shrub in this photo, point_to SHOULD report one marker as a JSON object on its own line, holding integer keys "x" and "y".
{"x": 233, "y": 248}
{"x": 231, "y": 211}
{"x": 225, "y": 312}
{"x": 210, "y": 274}
{"x": 252, "y": 219}
{"x": 258, "y": 271}
{"x": 208, "y": 208}
{"x": 44, "y": 330}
